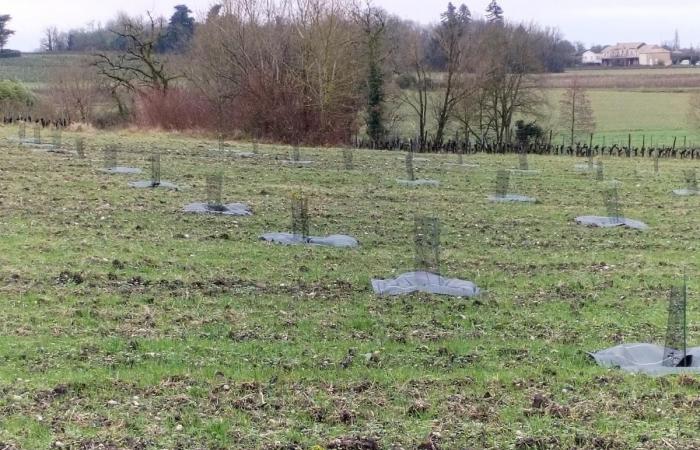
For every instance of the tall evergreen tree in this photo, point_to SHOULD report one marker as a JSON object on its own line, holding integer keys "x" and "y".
{"x": 5, "y": 32}
{"x": 494, "y": 12}
{"x": 464, "y": 13}
{"x": 375, "y": 101}
{"x": 214, "y": 12}
{"x": 180, "y": 31}
{"x": 449, "y": 15}
{"x": 456, "y": 20}
{"x": 374, "y": 26}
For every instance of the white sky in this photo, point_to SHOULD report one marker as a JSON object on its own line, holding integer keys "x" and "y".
{"x": 589, "y": 21}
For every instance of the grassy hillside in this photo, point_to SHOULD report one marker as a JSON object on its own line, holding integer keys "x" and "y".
{"x": 128, "y": 324}
{"x": 34, "y": 69}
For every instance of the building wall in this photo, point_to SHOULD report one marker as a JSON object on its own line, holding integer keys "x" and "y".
{"x": 591, "y": 58}
{"x": 620, "y": 53}
{"x": 655, "y": 59}
{"x": 620, "y": 62}
{"x": 624, "y": 54}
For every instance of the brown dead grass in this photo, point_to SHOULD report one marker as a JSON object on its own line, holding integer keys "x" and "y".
{"x": 649, "y": 79}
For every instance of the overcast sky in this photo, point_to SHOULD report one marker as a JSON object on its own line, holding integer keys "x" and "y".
{"x": 588, "y": 21}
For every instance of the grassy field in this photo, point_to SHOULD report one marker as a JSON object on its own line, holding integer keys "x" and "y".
{"x": 653, "y": 117}
{"x": 650, "y": 104}
{"x": 128, "y": 324}
{"x": 672, "y": 78}
{"x": 34, "y": 69}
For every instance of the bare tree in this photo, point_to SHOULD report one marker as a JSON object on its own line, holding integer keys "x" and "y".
{"x": 76, "y": 90}
{"x": 290, "y": 67}
{"x": 575, "y": 111}
{"x": 504, "y": 74}
{"x": 470, "y": 111}
{"x": 417, "y": 96}
{"x": 327, "y": 46}
{"x": 138, "y": 67}
{"x": 50, "y": 41}
{"x": 211, "y": 71}
{"x": 451, "y": 35}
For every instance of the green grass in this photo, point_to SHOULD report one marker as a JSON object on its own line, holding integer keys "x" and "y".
{"x": 650, "y": 104}
{"x": 655, "y": 117}
{"x": 129, "y": 324}
{"x": 651, "y": 117}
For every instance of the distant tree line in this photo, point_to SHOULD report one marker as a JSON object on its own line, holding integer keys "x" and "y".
{"x": 556, "y": 53}
{"x": 176, "y": 37}
{"x": 318, "y": 71}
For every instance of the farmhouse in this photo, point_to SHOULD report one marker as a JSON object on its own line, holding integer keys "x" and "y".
{"x": 635, "y": 54}
{"x": 653, "y": 55}
{"x": 626, "y": 54}
{"x": 591, "y": 57}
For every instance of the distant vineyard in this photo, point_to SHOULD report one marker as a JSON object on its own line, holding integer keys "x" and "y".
{"x": 34, "y": 69}
{"x": 652, "y": 79}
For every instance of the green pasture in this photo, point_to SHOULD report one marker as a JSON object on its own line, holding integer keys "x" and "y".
{"x": 650, "y": 117}
{"x": 129, "y": 324}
